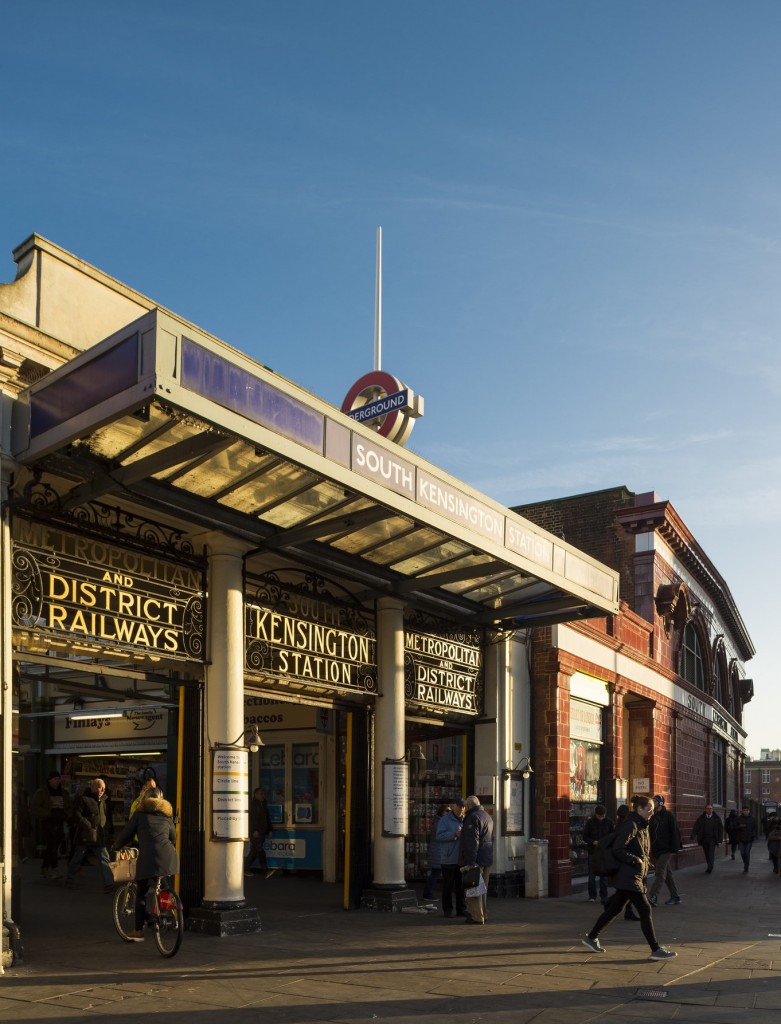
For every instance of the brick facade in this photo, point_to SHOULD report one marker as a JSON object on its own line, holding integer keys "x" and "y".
{"x": 657, "y": 726}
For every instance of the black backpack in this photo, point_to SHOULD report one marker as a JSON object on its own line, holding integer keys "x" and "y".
{"x": 603, "y": 860}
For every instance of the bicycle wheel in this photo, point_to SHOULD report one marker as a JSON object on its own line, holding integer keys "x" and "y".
{"x": 168, "y": 923}
{"x": 124, "y": 909}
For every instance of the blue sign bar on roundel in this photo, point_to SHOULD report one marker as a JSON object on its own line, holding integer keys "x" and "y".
{"x": 381, "y": 401}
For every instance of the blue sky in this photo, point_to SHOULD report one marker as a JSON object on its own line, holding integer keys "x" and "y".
{"x": 581, "y": 212}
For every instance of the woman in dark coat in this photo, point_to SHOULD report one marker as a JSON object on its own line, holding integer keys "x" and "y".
{"x": 153, "y": 824}
{"x": 632, "y": 849}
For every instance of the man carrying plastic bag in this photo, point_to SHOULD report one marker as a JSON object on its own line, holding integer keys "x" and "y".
{"x": 476, "y": 851}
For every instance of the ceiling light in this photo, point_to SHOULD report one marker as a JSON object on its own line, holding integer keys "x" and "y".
{"x": 77, "y": 716}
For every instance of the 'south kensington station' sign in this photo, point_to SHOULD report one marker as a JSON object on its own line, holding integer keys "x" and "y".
{"x": 299, "y": 630}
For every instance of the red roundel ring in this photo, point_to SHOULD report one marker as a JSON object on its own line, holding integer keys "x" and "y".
{"x": 371, "y": 386}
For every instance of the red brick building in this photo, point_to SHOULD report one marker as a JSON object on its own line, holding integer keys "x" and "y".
{"x": 648, "y": 701}
{"x": 762, "y": 781}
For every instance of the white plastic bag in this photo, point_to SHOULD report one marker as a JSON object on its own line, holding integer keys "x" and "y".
{"x": 476, "y": 890}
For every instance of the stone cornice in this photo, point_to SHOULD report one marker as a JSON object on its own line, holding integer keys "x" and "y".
{"x": 661, "y": 517}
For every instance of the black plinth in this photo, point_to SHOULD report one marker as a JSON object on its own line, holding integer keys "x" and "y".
{"x": 223, "y": 919}
{"x": 388, "y": 899}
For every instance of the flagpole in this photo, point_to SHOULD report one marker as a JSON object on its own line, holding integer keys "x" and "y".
{"x": 378, "y": 306}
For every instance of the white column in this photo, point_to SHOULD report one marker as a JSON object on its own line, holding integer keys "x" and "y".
{"x": 388, "y": 733}
{"x": 223, "y": 861}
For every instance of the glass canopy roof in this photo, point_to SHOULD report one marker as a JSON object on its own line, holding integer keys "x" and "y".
{"x": 166, "y": 418}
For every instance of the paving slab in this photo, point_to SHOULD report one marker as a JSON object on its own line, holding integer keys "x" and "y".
{"x": 313, "y": 962}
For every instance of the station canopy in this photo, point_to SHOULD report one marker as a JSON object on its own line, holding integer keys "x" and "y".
{"x": 163, "y": 417}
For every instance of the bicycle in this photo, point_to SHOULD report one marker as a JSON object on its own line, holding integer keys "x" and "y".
{"x": 165, "y": 914}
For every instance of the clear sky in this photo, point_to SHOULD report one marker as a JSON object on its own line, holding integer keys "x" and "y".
{"x": 581, "y": 213}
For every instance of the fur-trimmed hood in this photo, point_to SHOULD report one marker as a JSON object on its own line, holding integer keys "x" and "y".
{"x": 156, "y": 805}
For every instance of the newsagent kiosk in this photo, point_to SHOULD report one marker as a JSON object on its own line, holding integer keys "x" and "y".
{"x": 207, "y": 569}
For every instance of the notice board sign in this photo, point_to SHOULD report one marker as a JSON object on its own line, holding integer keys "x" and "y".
{"x": 395, "y": 798}
{"x": 230, "y": 795}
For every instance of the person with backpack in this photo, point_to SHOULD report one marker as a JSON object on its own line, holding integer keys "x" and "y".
{"x": 631, "y": 848}
{"x": 597, "y": 826}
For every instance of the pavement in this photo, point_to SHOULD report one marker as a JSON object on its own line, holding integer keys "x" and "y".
{"x": 315, "y": 962}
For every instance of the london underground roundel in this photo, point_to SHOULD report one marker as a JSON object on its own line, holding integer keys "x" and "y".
{"x": 385, "y": 404}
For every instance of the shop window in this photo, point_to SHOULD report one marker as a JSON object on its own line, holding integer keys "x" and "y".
{"x": 306, "y": 783}
{"x": 293, "y": 801}
{"x": 436, "y": 778}
{"x": 691, "y": 663}
{"x": 585, "y": 776}
{"x": 272, "y": 779}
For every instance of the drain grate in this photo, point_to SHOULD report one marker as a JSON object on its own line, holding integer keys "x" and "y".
{"x": 651, "y": 993}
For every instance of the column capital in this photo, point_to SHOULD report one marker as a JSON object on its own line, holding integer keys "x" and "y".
{"x": 223, "y": 544}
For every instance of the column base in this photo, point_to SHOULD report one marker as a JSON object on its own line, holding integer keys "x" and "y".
{"x": 224, "y": 919}
{"x": 388, "y": 900}
{"x": 560, "y": 878}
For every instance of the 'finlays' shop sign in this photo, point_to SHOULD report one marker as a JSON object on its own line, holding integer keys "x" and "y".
{"x": 96, "y": 594}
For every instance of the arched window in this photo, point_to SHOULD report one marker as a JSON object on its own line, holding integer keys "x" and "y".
{"x": 691, "y": 663}
{"x": 718, "y": 685}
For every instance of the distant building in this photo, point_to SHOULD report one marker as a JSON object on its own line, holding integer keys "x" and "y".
{"x": 762, "y": 780}
{"x": 648, "y": 701}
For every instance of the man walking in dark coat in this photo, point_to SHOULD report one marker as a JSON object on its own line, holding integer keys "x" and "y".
{"x": 93, "y": 832}
{"x": 746, "y": 832}
{"x": 709, "y": 832}
{"x": 597, "y": 826}
{"x": 477, "y": 850}
{"x": 665, "y": 843}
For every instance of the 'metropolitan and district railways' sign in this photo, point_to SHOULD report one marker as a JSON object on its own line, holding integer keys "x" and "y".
{"x": 442, "y": 670}
{"x": 74, "y": 586}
